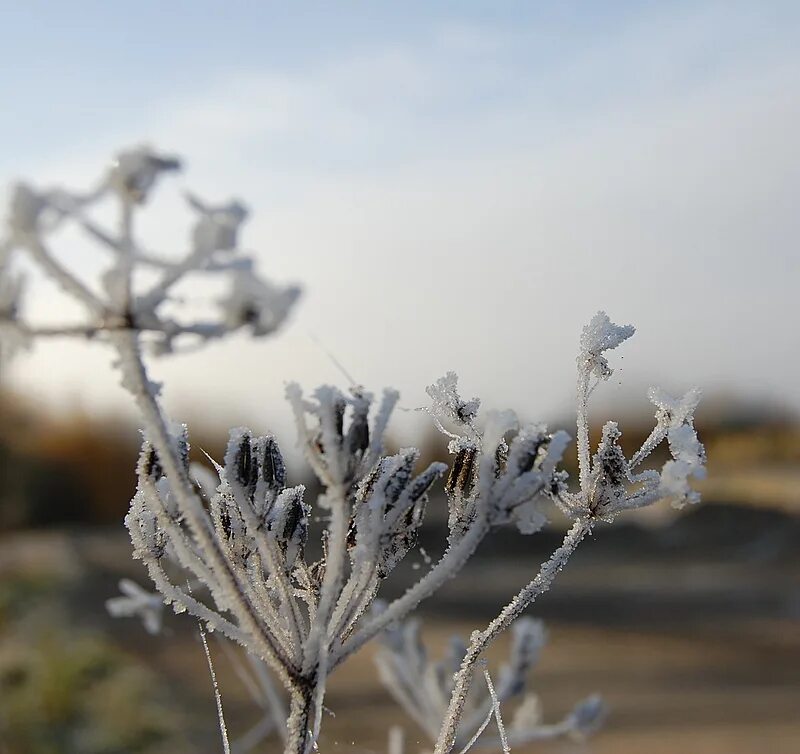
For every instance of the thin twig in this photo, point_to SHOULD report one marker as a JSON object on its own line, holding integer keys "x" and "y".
{"x": 217, "y": 698}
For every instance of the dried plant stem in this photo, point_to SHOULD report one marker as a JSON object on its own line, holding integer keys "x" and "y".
{"x": 190, "y": 504}
{"x": 481, "y": 639}
{"x": 298, "y": 724}
{"x": 223, "y": 728}
{"x": 447, "y": 567}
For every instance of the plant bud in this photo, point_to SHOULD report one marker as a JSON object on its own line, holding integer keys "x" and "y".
{"x": 273, "y": 469}
{"x": 357, "y": 439}
{"x": 462, "y": 473}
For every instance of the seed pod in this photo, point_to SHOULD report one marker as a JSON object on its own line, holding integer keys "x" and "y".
{"x": 367, "y": 486}
{"x": 244, "y": 462}
{"x": 425, "y": 480}
{"x": 462, "y": 473}
{"x": 338, "y": 412}
{"x": 357, "y": 439}
{"x": 397, "y": 482}
{"x": 273, "y": 469}
{"x": 290, "y": 523}
{"x": 241, "y": 469}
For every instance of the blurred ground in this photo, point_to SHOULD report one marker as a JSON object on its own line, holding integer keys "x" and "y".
{"x": 688, "y": 631}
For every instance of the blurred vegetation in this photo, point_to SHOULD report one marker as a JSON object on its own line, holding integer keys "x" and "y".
{"x": 79, "y": 469}
{"x": 63, "y": 694}
{"x": 69, "y": 469}
{"x": 68, "y": 690}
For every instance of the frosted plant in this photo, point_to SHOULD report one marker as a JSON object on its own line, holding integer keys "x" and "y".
{"x": 608, "y": 485}
{"x": 116, "y": 311}
{"x": 226, "y": 541}
{"x": 423, "y": 687}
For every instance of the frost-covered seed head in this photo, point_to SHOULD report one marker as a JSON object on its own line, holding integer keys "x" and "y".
{"x": 462, "y": 473}
{"x": 447, "y": 403}
{"x": 134, "y": 172}
{"x": 273, "y": 469}
{"x": 601, "y": 335}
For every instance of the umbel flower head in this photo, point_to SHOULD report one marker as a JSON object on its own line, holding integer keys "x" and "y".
{"x": 122, "y": 302}
{"x": 134, "y": 172}
{"x": 609, "y": 482}
{"x": 423, "y": 685}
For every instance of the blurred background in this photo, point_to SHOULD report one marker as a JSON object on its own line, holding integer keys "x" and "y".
{"x": 458, "y": 186}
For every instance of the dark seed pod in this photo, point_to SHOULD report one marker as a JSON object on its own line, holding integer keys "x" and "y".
{"x": 397, "y": 482}
{"x": 613, "y": 465}
{"x": 338, "y": 416}
{"x": 462, "y": 473}
{"x": 424, "y": 481}
{"x": 244, "y": 461}
{"x": 241, "y": 469}
{"x": 357, "y": 440}
{"x": 291, "y": 524}
{"x": 367, "y": 485}
{"x": 294, "y": 512}
{"x": 273, "y": 469}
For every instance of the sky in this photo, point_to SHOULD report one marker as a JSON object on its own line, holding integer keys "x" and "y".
{"x": 456, "y": 185}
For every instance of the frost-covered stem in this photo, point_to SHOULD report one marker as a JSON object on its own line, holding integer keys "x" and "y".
{"x": 356, "y": 597}
{"x": 481, "y": 639}
{"x": 126, "y": 260}
{"x": 582, "y": 438}
{"x": 63, "y": 277}
{"x": 447, "y": 567}
{"x": 294, "y": 617}
{"x": 137, "y": 382}
{"x": 301, "y": 703}
{"x": 205, "y": 330}
{"x": 223, "y": 728}
{"x": 652, "y": 440}
{"x": 317, "y": 654}
{"x": 267, "y": 550}
{"x": 332, "y": 581}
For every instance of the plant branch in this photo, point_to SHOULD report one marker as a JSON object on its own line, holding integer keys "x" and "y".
{"x": 480, "y": 640}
